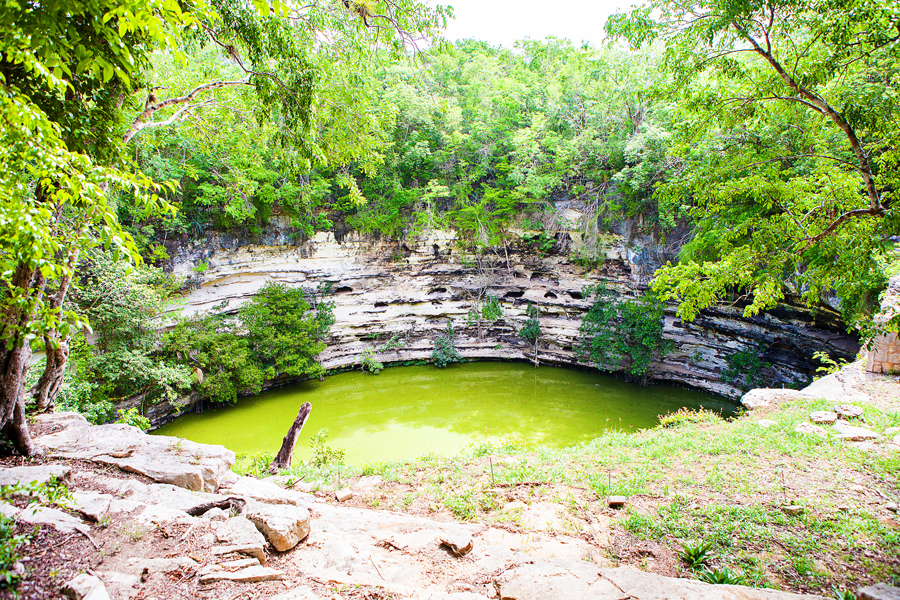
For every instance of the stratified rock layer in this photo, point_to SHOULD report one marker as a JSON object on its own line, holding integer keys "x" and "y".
{"x": 411, "y": 289}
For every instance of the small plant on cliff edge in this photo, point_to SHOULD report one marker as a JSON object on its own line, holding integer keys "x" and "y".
{"x": 9, "y": 552}
{"x": 445, "y": 352}
{"x": 829, "y": 365}
{"x": 531, "y": 332}
{"x": 369, "y": 362}
{"x": 746, "y": 369}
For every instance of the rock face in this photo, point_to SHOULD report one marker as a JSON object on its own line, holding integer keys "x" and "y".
{"x": 410, "y": 289}
{"x": 884, "y": 357}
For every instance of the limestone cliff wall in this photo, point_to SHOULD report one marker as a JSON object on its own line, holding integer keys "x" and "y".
{"x": 412, "y": 288}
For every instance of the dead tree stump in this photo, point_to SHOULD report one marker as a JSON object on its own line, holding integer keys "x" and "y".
{"x": 286, "y": 454}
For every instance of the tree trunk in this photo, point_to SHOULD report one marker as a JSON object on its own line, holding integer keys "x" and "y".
{"x": 57, "y": 349}
{"x": 48, "y": 386}
{"x": 286, "y": 454}
{"x": 14, "y": 360}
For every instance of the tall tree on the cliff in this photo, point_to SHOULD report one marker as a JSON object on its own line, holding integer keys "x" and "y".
{"x": 789, "y": 141}
{"x": 70, "y": 74}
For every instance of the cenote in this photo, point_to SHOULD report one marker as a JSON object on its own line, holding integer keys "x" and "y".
{"x": 406, "y": 412}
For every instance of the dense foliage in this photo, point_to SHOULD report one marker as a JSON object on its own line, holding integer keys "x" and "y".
{"x": 619, "y": 333}
{"x": 787, "y": 136}
{"x": 444, "y": 350}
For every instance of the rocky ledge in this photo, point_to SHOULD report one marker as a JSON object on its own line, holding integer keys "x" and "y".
{"x": 214, "y": 532}
{"x": 411, "y": 289}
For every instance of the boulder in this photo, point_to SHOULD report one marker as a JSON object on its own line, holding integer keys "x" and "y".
{"x": 266, "y": 492}
{"x": 343, "y": 494}
{"x": 850, "y": 433}
{"x": 810, "y": 429}
{"x": 247, "y": 575}
{"x": 239, "y": 531}
{"x": 85, "y": 587}
{"x": 762, "y": 397}
{"x": 164, "y": 459}
{"x": 39, "y": 474}
{"x": 823, "y": 417}
{"x": 879, "y": 591}
{"x": 848, "y": 411}
{"x": 93, "y": 506}
{"x": 283, "y": 525}
{"x": 459, "y": 544}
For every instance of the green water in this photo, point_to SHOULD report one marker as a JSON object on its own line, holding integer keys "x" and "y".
{"x": 406, "y": 412}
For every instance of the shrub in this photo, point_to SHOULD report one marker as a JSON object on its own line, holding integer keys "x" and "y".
{"x": 445, "y": 352}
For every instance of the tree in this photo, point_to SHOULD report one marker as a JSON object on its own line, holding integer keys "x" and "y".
{"x": 70, "y": 74}
{"x": 444, "y": 351}
{"x": 65, "y": 69}
{"x": 789, "y": 147}
{"x": 614, "y": 332}
{"x": 285, "y": 336}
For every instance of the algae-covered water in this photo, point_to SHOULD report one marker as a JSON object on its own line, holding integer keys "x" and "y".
{"x": 405, "y": 412}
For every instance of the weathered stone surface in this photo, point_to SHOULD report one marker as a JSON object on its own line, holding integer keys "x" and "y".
{"x": 255, "y": 550}
{"x": 171, "y": 460}
{"x": 284, "y": 526}
{"x": 763, "y": 397}
{"x": 879, "y": 591}
{"x": 301, "y": 592}
{"x": 51, "y": 517}
{"x": 40, "y": 474}
{"x": 766, "y": 423}
{"x": 810, "y": 429}
{"x": 240, "y": 563}
{"x": 792, "y": 510}
{"x": 823, "y": 416}
{"x": 61, "y": 419}
{"x": 247, "y": 575}
{"x": 215, "y": 514}
{"x": 267, "y": 492}
{"x": 418, "y": 294}
{"x": 853, "y": 434}
{"x": 85, "y": 587}
{"x": 647, "y": 586}
{"x": 459, "y": 544}
{"x": 848, "y": 411}
{"x": 343, "y": 494}
{"x": 552, "y": 580}
{"x": 93, "y": 506}
{"x": 239, "y": 531}
{"x": 884, "y": 356}
{"x": 163, "y": 565}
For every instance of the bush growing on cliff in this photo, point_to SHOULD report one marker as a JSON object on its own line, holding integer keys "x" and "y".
{"x": 275, "y": 334}
{"x": 616, "y": 333}
{"x": 445, "y": 352}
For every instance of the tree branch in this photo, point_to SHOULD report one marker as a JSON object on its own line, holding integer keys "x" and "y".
{"x": 141, "y": 122}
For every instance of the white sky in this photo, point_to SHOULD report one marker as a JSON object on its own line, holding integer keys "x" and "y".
{"x": 502, "y": 22}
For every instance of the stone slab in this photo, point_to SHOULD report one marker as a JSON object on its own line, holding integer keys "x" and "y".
{"x": 164, "y": 459}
